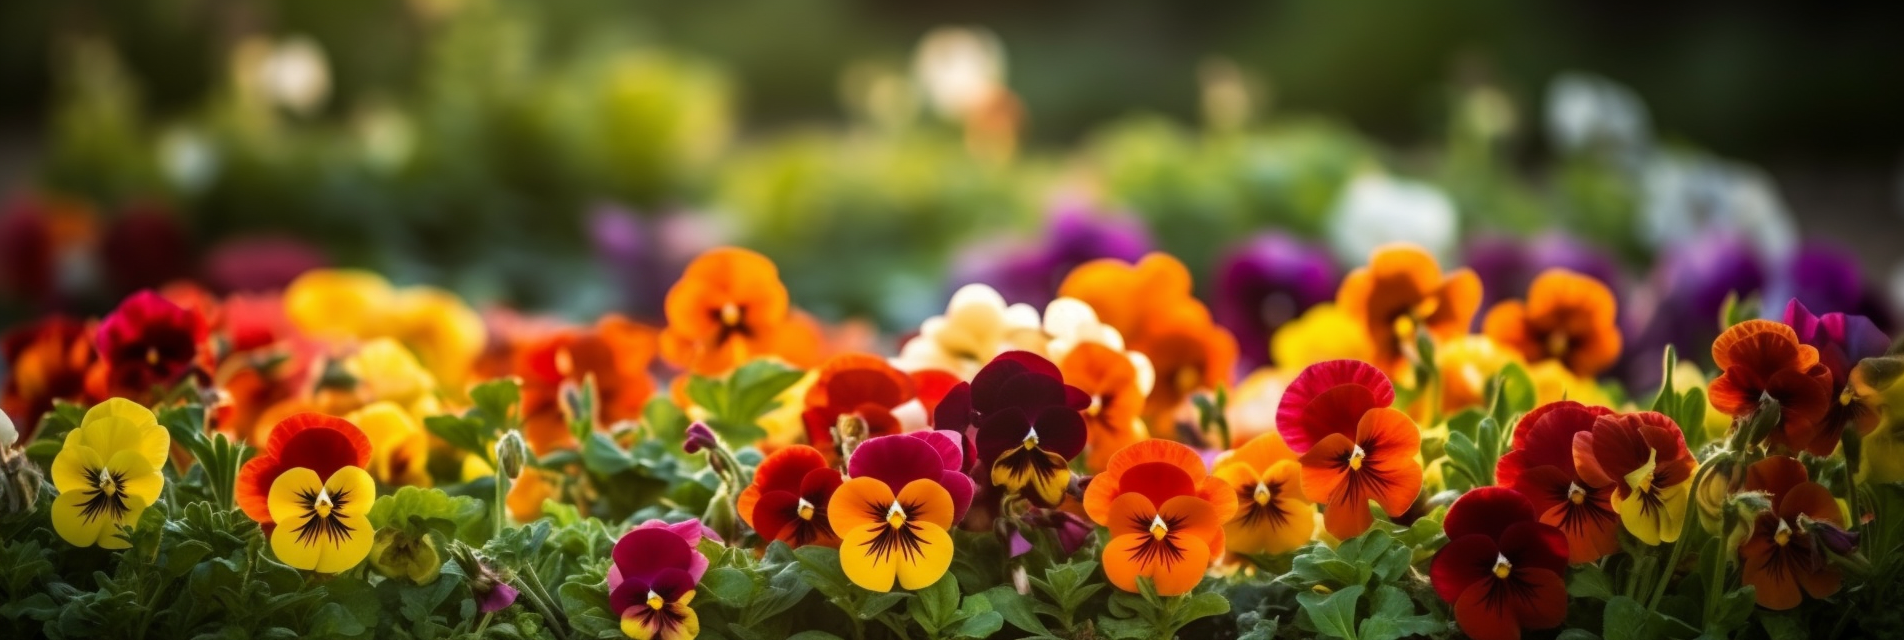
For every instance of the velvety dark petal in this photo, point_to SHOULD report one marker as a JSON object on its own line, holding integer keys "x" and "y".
{"x": 951, "y": 452}
{"x": 1534, "y": 545}
{"x": 643, "y": 552}
{"x": 896, "y": 460}
{"x": 629, "y": 593}
{"x": 671, "y": 584}
{"x": 1488, "y": 511}
{"x": 955, "y": 409}
{"x": 1030, "y": 392}
{"x": 774, "y": 511}
{"x": 1464, "y": 561}
{"x": 1061, "y": 430}
{"x": 1000, "y": 431}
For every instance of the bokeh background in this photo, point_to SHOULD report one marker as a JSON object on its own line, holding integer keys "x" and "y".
{"x": 568, "y": 157}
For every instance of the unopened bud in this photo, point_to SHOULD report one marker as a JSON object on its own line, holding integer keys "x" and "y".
{"x": 700, "y": 438}
{"x": 19, "y": 482}
{"x": 1021, "y": 582}
{"x": 395, "y": 554}
{"x": 1834, "y": 538}
{"x": 511, "y": 454}
{"x": 8, "y": 435}
{"x": 849, "y": 432}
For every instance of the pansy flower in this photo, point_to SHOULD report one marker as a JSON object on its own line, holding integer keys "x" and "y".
{"x": 977, "y": 326}
{"x": 1354, "y": 448}
{"x": 1271, "y": 280}
{"x": 1540, "y": 466}
{"x": 1782, "y": 561}
{"x": 893, "y": 517}
{"x": 1321, "y": 334}
{"x": 318, "y": 443}
{"x": 727, "y": 308}
{"x": 1402, "y": 290}
{"x": 1187, "y": 349}
{"x": 322, "y": 523}
{"x": 107, "y": 473}
{"x": 344, "y": 305}
{"x": 1166, "y": 514}
{"x": 1024, "y": 420}
{"x": 47, "y": 360}
{"x": 1643, "y": 456}
{"x": 149, "y": 342}
{"x": 1567, "y": 317}
{"x": 789, "y": 496}
{"x": 859, "y": 385}
{"x": 1764, "y": 359}
{"x": 652, "y": 581}
{"x": 615, "y": 353}
{"x": 1273, "y": 515}
{"x": 1116, "y": 390}
{"x": 1502, "y": 570}
{"x": 385, "y": 370}
{"x": 1842, "y": 341}
{"x": 399, "y": 445}
{"x": 1465, "y": 366}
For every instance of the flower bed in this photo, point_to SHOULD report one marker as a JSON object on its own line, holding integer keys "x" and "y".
{"x": 351, "y": 459}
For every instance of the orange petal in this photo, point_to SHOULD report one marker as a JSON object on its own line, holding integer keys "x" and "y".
{"x": 859, "y": 502}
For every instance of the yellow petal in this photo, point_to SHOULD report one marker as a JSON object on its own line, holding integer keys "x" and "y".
{"x": 283, "y": 499}
{"x": 75, "y": 467}
{"x": 306, "y": 540}
{"x": 860, "y": 564}
{"x": 338, "y": 303}
{"x": 1643, "y": 524}
{"x": 690, "y": 625}
{"x": 1673, "y": 510}
{"x": 73, "y": 527}
{"x": 934, "y": 558}
{"x": 124, "y": 426}
{"x": 138, "y": 476}
{"x": 119, "y": 408}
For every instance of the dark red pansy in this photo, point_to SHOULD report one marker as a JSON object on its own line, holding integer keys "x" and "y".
{"x": 787, "y": 500}
{"x": 1330, "y": 397}
{"x": 1502, "y": 569}
{"x": 1024, "y": 422}
{"x": 149, "y": 342}
{"x": 1540, "y": 466}
{"x": 1782, "y": 561}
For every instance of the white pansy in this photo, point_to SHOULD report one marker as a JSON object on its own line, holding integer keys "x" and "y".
{"x": 1587, "y": 112}
{"x": 976, "y": 327}
{"x": 1686, "y": 196}
{"x": 1376, "y": 209}
{"x": 958, "y": 68}
{"x": 295, "y": 75}
{"x": 1070, "y": 322}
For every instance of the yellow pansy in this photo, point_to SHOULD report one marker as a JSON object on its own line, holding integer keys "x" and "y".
{"x": 446, "y": 335}
{"x": 107, "y": 473}
{"x": 322, "y": 524}
{"x": 1465, "y": 365}
{"x": 341, "y": 305}
{"x": 388, "y": 372}
{"x": 399, "y": 446}
{"x": 1553, "y": 382}
{"x": 1321, "y": 334}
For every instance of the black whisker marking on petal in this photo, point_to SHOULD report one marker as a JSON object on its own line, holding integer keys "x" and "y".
{"x": 329, "y": 527}
{"x": 99, "y": 503}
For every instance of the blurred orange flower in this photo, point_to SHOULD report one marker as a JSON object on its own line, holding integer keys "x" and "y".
{"x": 615, "y": 353}
{"x": 1567, "y": 317}
{"x": 1403, "y": 289}
{"x": 1151, "y": 305}
{"x": 729, "y": 306}
{"x": 49, "y": 360}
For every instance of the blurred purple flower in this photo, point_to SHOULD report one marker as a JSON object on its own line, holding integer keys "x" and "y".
{"x": 1074, "y": 235}
{"x": 1842, "y": 340}
{"x": 260, "y": 263}
{"x": 1681, "y": 304}
{"x": 1265, "y": 283}
{"x": 1507, "y": 266}
{"x": 645, "y": 254}
{"x": 1826, "y": 279}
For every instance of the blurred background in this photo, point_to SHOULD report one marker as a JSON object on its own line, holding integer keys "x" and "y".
{"x": 569, "y": 157}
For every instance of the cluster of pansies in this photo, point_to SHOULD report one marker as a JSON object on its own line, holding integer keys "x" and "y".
{"x": 1407, "y": 459}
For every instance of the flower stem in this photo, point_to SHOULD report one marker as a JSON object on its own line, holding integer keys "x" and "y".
{"x": 1666, "y": 575}
{"x": 502, "y": 509}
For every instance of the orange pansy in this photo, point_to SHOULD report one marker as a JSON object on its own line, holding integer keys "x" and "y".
{"x": 1161, "y": 470}
{"x": 615, "y": 353}
{"x": 1761, "y": 358}
{"x": 1274, "y": 515}
{"x": 1110, "y": 379}
{"x": 727, "y": 307}
{"x": 1168, "y": 543}
{"x": 1401, "y": 289}
{"x": 1782, "y": 561}
{"x": 1381, "y": 464}
{"x": 1166, "y": 323}
{"x": 1567, "y": 317}
{"x": 856, "y": 384}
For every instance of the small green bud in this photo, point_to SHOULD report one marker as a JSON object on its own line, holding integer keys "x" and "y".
{"x": 512, "y": 453}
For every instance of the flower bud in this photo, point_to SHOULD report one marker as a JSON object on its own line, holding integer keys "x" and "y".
{"x": 19, "y": 482}
{"x": 700, "y": 438}
{"x": 396, "y": 554}
{"x": 849, "y": 432}
{"x": 1874, "y": 385}
{"x": 8, "y": 435}
{"x": 1021, "y": 581}
{"x": 1710, "y": 494}
{"x": 1832, "y": 537}
{"x": 511, "y": 454}
{"x": 492, "y": 592}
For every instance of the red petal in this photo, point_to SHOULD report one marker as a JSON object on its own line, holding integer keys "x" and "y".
{"x": 1305, "y": 415}
{"x": 1488, "y": 511}
{"x": 1461, "y": 563}
{"x": 787, "y": 468}
{"x": 1534, "y": 545}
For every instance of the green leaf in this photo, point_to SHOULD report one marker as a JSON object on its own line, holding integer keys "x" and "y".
{"x": 813, "y": 635}
{"x": 934, "y": 607}
{"x": 1392, "y": 616}
{"x": 418, "y": 511}
{"x": 664, "y": 421}
{"x": 1734, "y": 610}
{"x": 736, "y": 403}
{"x": 1515, "y": 393}
{"x": 729, "y": 585}
{"x": 1590, "y": 581}
{"x": 1784, "y": 627}
{"x": 1667, "y": 399}
{"x": 821, "y": 567}
{"x": 1199, "y": 606}
{"x": 981, "y": 625}
{"x": 497, "y": 400}
{"x": 1626, "y": 619}
{"x": 1333, "y": 614}
{"x": 878, "y": 603}
{"x": 1016, "y": 609}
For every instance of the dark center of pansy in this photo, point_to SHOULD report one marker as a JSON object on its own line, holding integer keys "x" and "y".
{"x": 1575, "y": 494}
{"x": 322, "y": 519}
{"x": 1557, "y": 343}
{"x": 805, "y": 509}
{"x": 1502, "y": 568}
{"x": 106, "y": 497}
{"x": 152, "y": 356}
{"x": 1356, "y": 456}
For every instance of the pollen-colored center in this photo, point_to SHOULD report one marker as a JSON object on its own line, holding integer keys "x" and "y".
{"x": 1575, "y": 494}
{"x": 1502, "y": 567}
{"x": 1784, "y": 534}
{"x": 1157, "y": 527}
{"x": 896, "y": 516}
{"x": 806, "y": 509}
{"x": 654, "y": 600}
{"x": 1188, "y": 378}
{"x": 1031, "y": 440}
{"x": 730, "y": 314}
{"x": 1356, "y": 456}
{"x": 1405, "y": 328}
{"x": 564, "y": 362}
{"x": 1557, "y": 344}
{"x": 151, "y": 355}
{"x": 106, "y": 485}
{"x": 1262, "y": 494}
{"x": 323, "y": 504}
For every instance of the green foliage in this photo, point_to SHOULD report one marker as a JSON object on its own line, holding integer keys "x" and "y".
{"x": 736, "y": 402}
{"x": 496, "y": 410}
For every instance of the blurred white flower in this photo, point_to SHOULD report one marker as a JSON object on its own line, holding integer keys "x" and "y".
{"x": 976, "y": 327}
{"x": 1376, "y": 209}
{"x": 190, "y": 162}
{"x": 1685, "y": 196}
{"x": 959, "y": 68}
{"x": 1070, "y": 322}
{"x": 8, "y": 434}
{"x": 1585, "y": 112}
{"x": 295, "y": 75}
{"x": 386, "y": 138}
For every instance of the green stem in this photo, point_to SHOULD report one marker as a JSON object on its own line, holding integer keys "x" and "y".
{"x": 542, "y": 607}
{"x": 535, "y": 581}
{"x": 1666, "y": 575}
{"x": 898, "y": 627}
{"x": 502, "y": 508}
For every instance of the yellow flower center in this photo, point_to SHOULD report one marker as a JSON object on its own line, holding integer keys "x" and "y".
{"x": 806, "y": 509}
{"x": 323, "y": 505}
{"x": 1784, "y": 534}
{"x": 1097, "y": 405}
{"x": 1157, "y": 527}
{"x": 730, "y": 314}
{"x": 151, "y": 355}
{"x": 1031, "y": 440}
{"x": 1575, "y": 494}
{"x": 1502, "y": 567}
{"x": 1556, "y": 344}
{"x": 654, "y": 600}
{"x": 564, "y": 362}
{"x": 1188, "y": 378}
{"x": 1355, "y": 458}
{"x": 1405, "y": 329}
{"x": 106, "y": 485}
{"x": 1262, "y": 494}
{"x": 896, "y": 516}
